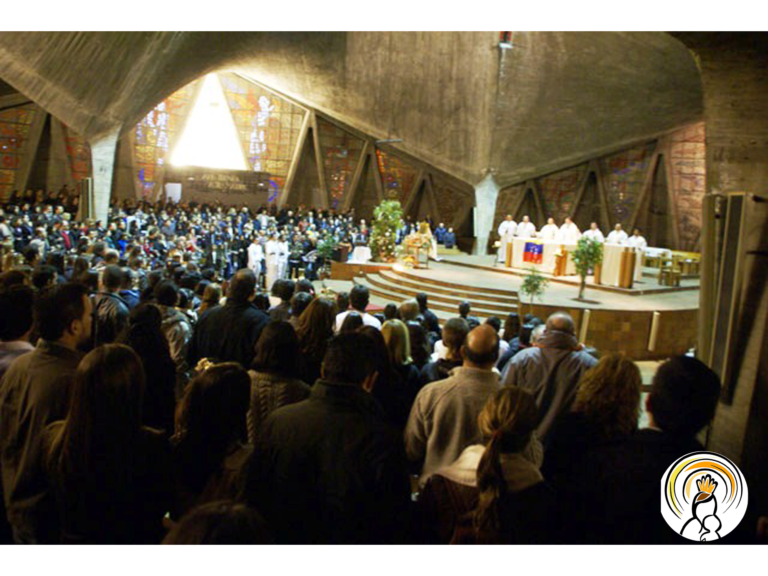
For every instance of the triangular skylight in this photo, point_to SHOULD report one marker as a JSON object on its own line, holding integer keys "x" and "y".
{"x": 210, "y": 138}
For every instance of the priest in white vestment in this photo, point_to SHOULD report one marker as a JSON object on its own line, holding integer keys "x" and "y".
{"x": 594, "y": 233}
{"x": 526, "y": 228}
{"x": 569, "y": 232}
{"x": 255, "y": 256}
{"x": 507, "y": 231}
{"x": 549, "y": 230}
{"x": 617, "y": 236}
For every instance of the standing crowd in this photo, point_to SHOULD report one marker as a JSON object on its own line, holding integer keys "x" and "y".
{"x": 151, "y": 397}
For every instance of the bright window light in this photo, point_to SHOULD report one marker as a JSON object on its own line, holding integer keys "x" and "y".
{"x": 210, "y": 139}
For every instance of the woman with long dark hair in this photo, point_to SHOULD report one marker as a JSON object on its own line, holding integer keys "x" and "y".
{"x": 315, "y": 329}
{"x": 210, "y": 440}
{"x": 144, "y": 334}
{"x": 274, "y": 374}
{"x": 110, "y": 476}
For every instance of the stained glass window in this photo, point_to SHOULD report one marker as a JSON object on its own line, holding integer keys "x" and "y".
{"x": 341, "y": 152}
{"x": 397, "y": 176}
{"x": 269, "y": 127}
{"x": 623, "y": 177}
{"x": 155, "y": 135}
{"x": 687, "y": 163}
{"x": 559, "y": 192}
{"x": 454, "y": 204}
{"x": 79, "y": 153}
{"x": 506, "y": 202}
{"x": 15, "y": 124}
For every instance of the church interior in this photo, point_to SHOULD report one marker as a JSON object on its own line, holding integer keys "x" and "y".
{"x": 661, "y": 136}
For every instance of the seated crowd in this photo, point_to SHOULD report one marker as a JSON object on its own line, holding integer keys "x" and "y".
{"x": 143, "y": 408}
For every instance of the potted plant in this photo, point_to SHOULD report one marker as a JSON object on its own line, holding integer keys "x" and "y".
{"x": 387, "y": 216}
{"x": 588, "y": 254}
{"x": 533, "y": 286}
{"x": 325, "y": 249}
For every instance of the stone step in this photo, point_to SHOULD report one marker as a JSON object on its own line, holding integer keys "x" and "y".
{"x": 445, "y": 297}
{"x": 418, "y": 284}
{"x": 456, "y": 287}
{"x": 479, "y": 309}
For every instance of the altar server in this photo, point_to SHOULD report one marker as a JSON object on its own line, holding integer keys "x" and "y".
{"x": 255, "y": 256}
{"x": 637, "y": 240}
{"x": 272, "y": 254}
{"x": 282, "y": 257}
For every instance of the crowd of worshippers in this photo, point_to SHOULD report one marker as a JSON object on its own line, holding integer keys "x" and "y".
{"x": 210, "y": 240}
{"x": 228, "y": 419}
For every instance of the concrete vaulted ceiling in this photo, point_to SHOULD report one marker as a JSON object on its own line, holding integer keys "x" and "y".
{"x": 454, "y": 98}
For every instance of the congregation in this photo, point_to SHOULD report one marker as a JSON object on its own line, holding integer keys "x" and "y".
{"x": 152, "y": 391}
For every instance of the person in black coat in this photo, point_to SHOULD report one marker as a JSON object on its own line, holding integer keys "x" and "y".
{"x": 329, "y": 469}
{"x": 454, "y": 334}
{"x": 229, "y": 333}
{"x": 430, "y": 320}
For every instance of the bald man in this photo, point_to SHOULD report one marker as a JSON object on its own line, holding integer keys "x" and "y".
{"x": 551, "y": 370}
{"x": 443, "y": 420}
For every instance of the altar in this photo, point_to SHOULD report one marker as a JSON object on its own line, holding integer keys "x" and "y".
{"x": 621, "y": 267}
{"x": 542, "y": 256}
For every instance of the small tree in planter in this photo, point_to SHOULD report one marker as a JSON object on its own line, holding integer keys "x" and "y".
{"x": 325, "y": 249}
{"x": 533, "y": 286}
{"x": 588, "y": 254}
{"x": 387, "y": 216}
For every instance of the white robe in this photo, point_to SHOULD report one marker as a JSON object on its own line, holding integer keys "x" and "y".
{"x": 526, "y": 230}
{"x": 637, "y": 242}
{"x": 617, "y": 237}
{"x": 569, "y": 233}
{"x": 507, "y": 230}
{"x": 549, "y": 232}
{"x": 255, "y": 256}
{"x": 594, "y": 235}
{"x": 271, "y": 249}
{"x": 282, "y": 259}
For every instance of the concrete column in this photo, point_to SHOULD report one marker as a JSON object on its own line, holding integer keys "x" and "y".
{"x": 486, "y": 194}
{"x": 103, "y": 157}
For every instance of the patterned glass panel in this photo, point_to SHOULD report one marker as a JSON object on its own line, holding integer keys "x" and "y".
{"x": 453, "y": 203}
{"x": 559, "y": 191}
{"x": 15, "y": 125}
{"x": 397, "y": 176}
{"x": 687, "y": 163}
{"x": 155, "y": 135}
{"x": 623, "y": 177}
{"x": 269, "y": 127}
{"x": 79, "y": 153}
{"x": 506, "y": 202}
{"x": 340, "y": 152}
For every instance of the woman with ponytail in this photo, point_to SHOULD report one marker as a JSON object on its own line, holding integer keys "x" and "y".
{"x": 494, "y": 492}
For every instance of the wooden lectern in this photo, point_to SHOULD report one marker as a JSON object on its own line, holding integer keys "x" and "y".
{"x": 627, "y": 268}
{"x": 508, "y": 259}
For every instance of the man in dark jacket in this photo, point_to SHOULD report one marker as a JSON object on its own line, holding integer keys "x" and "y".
{"x": 229, "y": 333}
{"x": 33, "y": 393}
{"x": 110, "y": 311}
{"x": 430, "y": 320}
{"x": 329, "y": 469}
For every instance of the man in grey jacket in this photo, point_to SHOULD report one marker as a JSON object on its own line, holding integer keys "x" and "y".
{"x": 443, "y": 419}
{"x": 550, "y": 370}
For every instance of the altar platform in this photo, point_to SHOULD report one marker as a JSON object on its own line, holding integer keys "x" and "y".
{"x": 646, "y": 322}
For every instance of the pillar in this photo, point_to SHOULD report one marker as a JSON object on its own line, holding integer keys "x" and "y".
{"x": 103, "y": 157}
{"x": 486, "y": 194}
